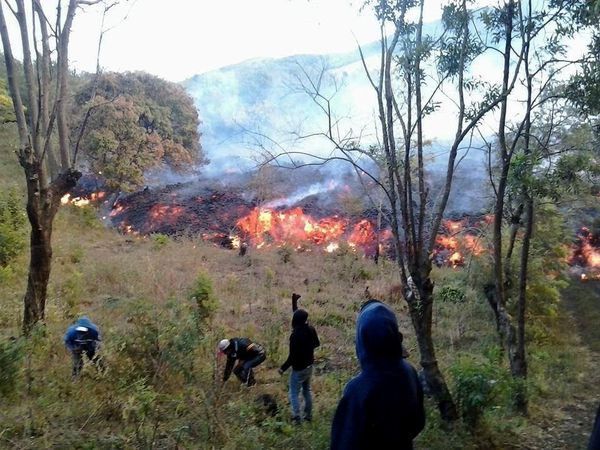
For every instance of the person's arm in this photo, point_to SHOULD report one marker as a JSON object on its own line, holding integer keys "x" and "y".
{"x": 228, "y": 368}
{"x": 69, "y": 340}
{"x": 292, "y": 351}
{"x": 316, "y": 342}
{"x": 295, "y": 298}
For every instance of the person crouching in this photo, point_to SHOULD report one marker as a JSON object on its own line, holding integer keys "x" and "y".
{"x": 82, "y": 337}
{"x": 248, "y": 355}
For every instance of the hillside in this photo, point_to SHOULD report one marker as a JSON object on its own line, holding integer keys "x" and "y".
{"x": 262, "y": 105}
{"x": 160, "y": 388}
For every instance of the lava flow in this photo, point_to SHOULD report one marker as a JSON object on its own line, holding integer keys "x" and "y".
{"x": 227, "y": 217}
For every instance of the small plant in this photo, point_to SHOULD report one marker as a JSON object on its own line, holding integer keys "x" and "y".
{"x": 72, "y": 291}
{"x": 473, "y": 385}
{"x": 202, "y": 293}
{"x": 159, "y": 240}
{"x": 285, "y": 253}
{"x": 12, "y": 227}
{"x": 269, "y": 277}
{"x": 451, "y": 294}
{"x": 11, "y": 357}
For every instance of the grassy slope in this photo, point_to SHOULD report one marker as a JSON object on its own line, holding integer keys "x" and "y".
{"x": 137, "y": 291}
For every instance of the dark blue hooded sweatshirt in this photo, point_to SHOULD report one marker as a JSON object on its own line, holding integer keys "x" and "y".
{"x": 382, "y": 408}
{"x": 73, "y": 337}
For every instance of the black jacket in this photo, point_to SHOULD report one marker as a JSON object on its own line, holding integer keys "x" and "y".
{"x": 381, "y": 408}
{"x": 303, "y": 342}
{"x": 243, "y": 349}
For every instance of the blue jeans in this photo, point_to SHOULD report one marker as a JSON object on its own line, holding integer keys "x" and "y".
{"x": 301, "y": 379}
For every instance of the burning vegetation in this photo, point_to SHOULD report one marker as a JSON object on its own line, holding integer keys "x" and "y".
{"x": 226, "y": 217}
{"x": 585, "y": 255}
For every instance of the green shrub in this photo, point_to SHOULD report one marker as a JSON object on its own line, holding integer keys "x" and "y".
{"x": 72, "y": 291}
{"x": 161, "y": 342}
{"x": 473, "y": 386}
{"x": 285, "y": 253}
{"x": 201, "y": 292}
{"x": 159, "y": 240}
{"x": 11, "y": 357}
{"x": 12, "y": 227}
{"x": 451, "y": 294}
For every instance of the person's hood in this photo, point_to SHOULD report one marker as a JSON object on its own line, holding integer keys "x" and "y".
{"x": 84, "y": 321}
{"x": 299, "y": 318}
{"x": 378, "y": 340}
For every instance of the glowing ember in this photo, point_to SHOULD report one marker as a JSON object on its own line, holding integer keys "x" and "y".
{"x": 332, "y": 247}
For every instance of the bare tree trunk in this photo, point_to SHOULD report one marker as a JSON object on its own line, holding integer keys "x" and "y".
{"x": 421, "y": 311}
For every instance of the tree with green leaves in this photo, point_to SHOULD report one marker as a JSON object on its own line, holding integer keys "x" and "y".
{"x": 7, "y": 112}
{"x": 530, "y": 162}
{"x": 131, "y": 122}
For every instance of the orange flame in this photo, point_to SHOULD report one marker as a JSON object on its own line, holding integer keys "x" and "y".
{"x": 263, "y": 226}
{"x": 82, "y": 201}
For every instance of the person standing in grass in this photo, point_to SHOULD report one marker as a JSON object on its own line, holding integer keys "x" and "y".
{"x": 303, "y": 341}
{"x": 382, "y": 407}
{"x": 83, "y": 337}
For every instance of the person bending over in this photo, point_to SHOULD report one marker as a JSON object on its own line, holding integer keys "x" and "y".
{"x": 83, "y": 337}
{"x": 248, "y": 355}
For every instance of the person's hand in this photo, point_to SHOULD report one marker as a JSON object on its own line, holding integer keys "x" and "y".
{"x": 279, "y": 371}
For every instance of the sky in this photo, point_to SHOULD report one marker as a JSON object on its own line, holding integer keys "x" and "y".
{"x": 176, "y": 39}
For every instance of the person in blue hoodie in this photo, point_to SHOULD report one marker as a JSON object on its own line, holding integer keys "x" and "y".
{"x": 82, "y": 337}
{"x": 382, "y": 407}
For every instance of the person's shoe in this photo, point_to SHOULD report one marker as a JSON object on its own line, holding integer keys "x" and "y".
{"x": 308, "y": 419}
{"x": 296, "y": 421}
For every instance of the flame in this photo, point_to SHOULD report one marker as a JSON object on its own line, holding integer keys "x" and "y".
{"x": 585, "y": 251}
{"x": 363, "y": 234}
{"x": 82, "y": 201}
{"x": 456, "y": 259}
{"x": 263, "y": 226}
{"x": 473, "y": 244}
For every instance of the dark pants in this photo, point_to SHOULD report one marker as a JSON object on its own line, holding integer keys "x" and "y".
{"x": 244, "y": 370}
{"x": 77, "y": 355}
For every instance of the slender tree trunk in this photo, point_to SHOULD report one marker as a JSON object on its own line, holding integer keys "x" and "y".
{"x": 421, "y": 311}
{"x": 42, "y": 207}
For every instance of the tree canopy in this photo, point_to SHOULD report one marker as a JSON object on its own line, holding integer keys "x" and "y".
{"x": 133, "y": 122}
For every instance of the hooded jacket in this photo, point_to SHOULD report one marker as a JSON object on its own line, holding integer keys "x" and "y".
{"x": 303, "y": 342}
{"x": 82, "y": 340}
{"x": 382, "y": 407}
